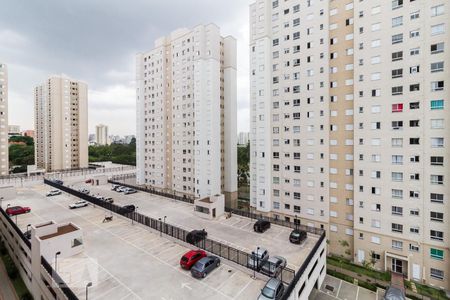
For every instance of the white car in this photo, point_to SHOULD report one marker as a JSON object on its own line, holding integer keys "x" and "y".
{"x": 78, "y": 204}
{"x": 53, "y": 193}
{"x": 84, "y": 191}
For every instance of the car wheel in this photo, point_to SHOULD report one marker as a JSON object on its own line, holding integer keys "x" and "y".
{"x": 204, "y": 275}
{"x": 218, "y": 264}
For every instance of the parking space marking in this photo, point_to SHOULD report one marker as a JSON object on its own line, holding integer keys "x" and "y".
{"x": 225, "y": 281}
{"x": 357, "y": 293}
{"x": 339, "y": 288}
{"x": 243, "y": 289}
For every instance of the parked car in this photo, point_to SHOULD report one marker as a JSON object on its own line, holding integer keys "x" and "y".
{"x": 257, "y": 258}
{"x": 127, "y": 209}
{"x": 17, "y": 210}
{"x": 297, "y": 236}
{"x": 114, "y": 187}
{"x": 120, "y": 189}
{"x": 57, "y": 181}
{"x": 108, "y": 199}
{"x": 88, "y": 181}
{"x": 273, "y": 266}
{"x": 78, "y": 204}
{"x": 27, "y": 234}
{"x": 84, "y": 191}
{"x": 261, "y": 226}
{"x": 196, "y": 236}
{"x": 127, "y": 191}
{"x": 273, "y": 290}
{"x": 191, "y": 257}
{"x": 205, "y": 266}
{"x": 53, "y": 193}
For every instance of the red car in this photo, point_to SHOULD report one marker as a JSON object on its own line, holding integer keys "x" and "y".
{"x": 190, "y": 258}
{"x": 88, "y": 181}
{"x": 17, "y": 210}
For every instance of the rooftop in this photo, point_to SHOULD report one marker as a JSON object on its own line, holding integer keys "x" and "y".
{"x": 60, "y": 231}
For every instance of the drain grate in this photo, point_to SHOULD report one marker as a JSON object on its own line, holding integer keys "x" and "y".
{"x": 329, "y": 287}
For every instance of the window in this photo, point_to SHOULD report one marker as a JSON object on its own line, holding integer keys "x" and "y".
{"x": 397, "y": 90}
{"x": 414, "y": 51}
{"x": 397, "y": 142}
{"x": 437, "y": 179}
{"x": 397, "y": 38}
{"x": 437, "y": 104}
{"x": 436, "y": 235}
{"x": 437, "y": 253}
{"x": 397, "y": 159}
{"x": 437, "y": 67}
{"x": 437, "y": 160}
{"x": 414, "y": 15}
{"x": 397, "y": 73}
{"x": 414, "y": 105}
{"x": 437, "y": 123}
{"x": 397, "y": 56}
{"x": 436, "y": 216}
{"x": 397, "y": 107}
{"x": 397, "y": 4}
{"x": 437, "y": 48}
{"x": 397, "y": 228}
{"x": 414, "y": 87}
{"x": 413, "y": 248}
{"x": 397, "y": 193}
{"x": 436, "y": 274}
{"x": 414, "y": 141}
{"x": 437, "y": 142}
{"x": 437, "y": 198}
{"x": 397, "y": 210}
{"x": 437, "y": 86}
{"x": 414, "y": 33}
{"x": 437, "y": 10}
{"x": 437, "y": 29}
{"x": 396, "y": 125}
{"x": 397, "y": 245}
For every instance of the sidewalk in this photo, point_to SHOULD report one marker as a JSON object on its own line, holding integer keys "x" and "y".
{"x": 7, "y": 291}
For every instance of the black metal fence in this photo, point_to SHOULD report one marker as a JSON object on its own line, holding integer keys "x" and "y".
{"x": 232, "y": 254}
{"x": 58, "y": 280}
{"x": 150, "y": 190}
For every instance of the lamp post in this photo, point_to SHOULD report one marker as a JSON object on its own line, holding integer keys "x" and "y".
{"x": 56, "y": 261}
{"x": 165, "y": 223}
{"x": 296, "y": 223}
{"x": 87, "y": 287}
{"x": 28, "y": 232}
{"x": 1, "y": 200}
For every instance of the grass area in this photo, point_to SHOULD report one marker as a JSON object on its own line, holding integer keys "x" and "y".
{"x": 428, "y": 291}
{"x": 349, "y": 279}
{"x": 345, "y": 264}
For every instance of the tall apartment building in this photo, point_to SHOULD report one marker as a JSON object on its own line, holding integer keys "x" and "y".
{"x": 348, "y": 123}
{"x": 61, "y": 124}
{"x": 186, "y": 118}
{"x": 101, "y": 134}
{"x": 4, "y": 156}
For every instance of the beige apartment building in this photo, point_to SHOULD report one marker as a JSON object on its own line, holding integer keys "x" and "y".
{"x": 4, "y": 157}
{"x": 348, "y": 127}
{"x": 101, "y": 135}
{"x": 186, "y": 116}
{"x": 61, "y": 124}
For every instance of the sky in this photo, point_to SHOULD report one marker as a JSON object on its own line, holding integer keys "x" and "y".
{"x": 96, "y": 41}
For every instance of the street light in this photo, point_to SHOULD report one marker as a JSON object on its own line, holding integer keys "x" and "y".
{"x": 160, "y": 227}
{"x": 296, "y": 223}
{"x": 1, "y": 200}
{"x": 56, "y": 261}
{"x": 165, "y": 222}
{"x": 88, "y": 286}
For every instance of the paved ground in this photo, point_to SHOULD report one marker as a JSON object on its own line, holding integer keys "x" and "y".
{"x": 129, "y": 261}
{"x": 334, "y": 288}
{"x": 238, "y": 234}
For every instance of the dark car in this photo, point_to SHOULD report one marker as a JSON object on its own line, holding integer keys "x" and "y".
{"x": 273, "y": 266}
{"x": 27, "y": 234}
{"x": 17, "y": 210}
{"x": 261, "y": 226}
{"x": 273, "y": 290}
{"x": 108, "y": 199}
{"x": 297, "y": 236}
{"x": 205, "y": 266}
{"x": 191, "y": 257}
{"x": 57, "y": 181}
{"x": 196, "y": 236}
{"x": 127, "y": 209}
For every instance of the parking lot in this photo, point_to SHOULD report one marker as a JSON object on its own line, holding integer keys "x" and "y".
{"x": 127, "y": 261}
{"x": 238, "y": 234}
{"x": 334, "y": 288}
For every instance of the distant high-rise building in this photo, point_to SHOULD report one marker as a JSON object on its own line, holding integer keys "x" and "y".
{"x": 186, "y": 122}
{"x": 243, "y": 138}
{"x": 61, "y": 123}
{"x": 350, "y": 127}
{"x": 29, "y": 133}
{"x": 101, "y": 134}
{"x": 14, "y": 130}
{"x": 129, "y": 138}
{"x": 4, "y": 158}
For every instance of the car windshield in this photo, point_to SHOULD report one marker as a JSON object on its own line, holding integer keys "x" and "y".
{"x": 268, "y": 292}
{"x": 296, "y": 233}
{"x": 199, "y": 266}
{"x": 184, "y": 258}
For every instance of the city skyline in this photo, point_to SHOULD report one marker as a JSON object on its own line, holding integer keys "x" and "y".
{"x": 105, "y": 59}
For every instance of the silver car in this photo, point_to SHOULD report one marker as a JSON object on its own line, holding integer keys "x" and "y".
{"x": 273, "y": 290}
{"x": 273, "y": 266}
{"x": 257, "y": 258}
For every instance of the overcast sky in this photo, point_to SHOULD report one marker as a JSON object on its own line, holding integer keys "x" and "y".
{"x": 96, "y": 41}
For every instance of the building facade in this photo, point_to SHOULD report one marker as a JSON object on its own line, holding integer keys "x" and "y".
{"x": 348, "y": 127}
{"x": 14, "y": 130}
{"x": 101, "y": 135}
{"x": 4, "y": 156}
{"x": 61, "y": 124}
{"x": 243, "y": 138}
{"x": 186, "y": 119}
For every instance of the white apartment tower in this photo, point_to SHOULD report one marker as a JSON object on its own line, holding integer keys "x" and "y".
{"x": 349, "y": 123}
{"x": 61, "y": 124}
{"x": 186, "y": 116}
{"x": 4, "y": 157}
{"x": 101, "y": 134}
